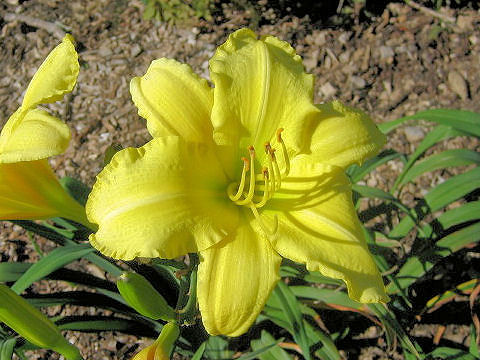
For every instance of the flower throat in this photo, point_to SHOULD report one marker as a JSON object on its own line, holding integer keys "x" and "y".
{"x": 255, "y": 190}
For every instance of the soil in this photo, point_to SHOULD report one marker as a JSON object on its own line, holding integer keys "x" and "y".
{"x": 391, "y": 65}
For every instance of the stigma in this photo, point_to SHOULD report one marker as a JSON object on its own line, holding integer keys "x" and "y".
{"x": 255, "y": 189}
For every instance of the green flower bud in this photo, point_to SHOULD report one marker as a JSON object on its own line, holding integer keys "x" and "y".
{"x": 30, "y": 323}
{"x": 143, "y": 297}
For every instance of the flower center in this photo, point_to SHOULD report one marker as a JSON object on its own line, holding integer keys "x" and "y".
{"x": 254, "y": 190}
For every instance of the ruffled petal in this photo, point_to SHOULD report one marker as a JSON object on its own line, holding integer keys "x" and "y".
{"x": 164, "y": 199}
{"x": 235, "y": 279}
{"x": 174, "y": 101}
{"x": 260, "y": 86}
{"x": 32, "y": 135}
{"x": 55, "y": 77}
{"x": 318, "y": 226}
{"x": 30, "y": 190}
{"x": 343, "y": 136}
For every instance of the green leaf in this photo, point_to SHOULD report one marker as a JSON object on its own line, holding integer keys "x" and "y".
{"x": 442, "y": 195}
{"x": 447, "y": 158}
{"x": 6, "y": 348}
{"x": 466, "y": 121}
{"x": 450, "y": 353}
{"x": 453, "y": 189}
{"x": 11, "y": 271}
{"x": 326, "y": 296}
{"x": 273, "y": 353}
{"x": 54, "y": 260}
{"x": 293, "y": 315}
{"x": 103, "y": 323}
{"x": 473, "y": 348}
{"x": 416, "y": 266}
{"x": 199, "y": 353}
{"x": 465, "y": 213}
{"x": 393, "y": 327}
{"x": 76, "y": 189}
{"x": 47, "y": 232}
{"x": 217, "y": 349}
{"x": 254, "y": 354}
{"x": 438, "y": 134}
{"x": 357, "y": 173}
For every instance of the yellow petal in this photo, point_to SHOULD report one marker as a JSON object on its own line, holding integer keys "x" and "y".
{"x": 235, "y": 278}
{"x": 32, "y": 135}
{"x": 146, "y": 354}
{"x": 318, "y": 226}
{"x": 55, "y": 77}
{"x": 164, "y": 199}
{"x": 174, "y": 100}
{"x": 343, "y": 136}
{"x": 30, "y": 190}
{"x": 260, "y": 86}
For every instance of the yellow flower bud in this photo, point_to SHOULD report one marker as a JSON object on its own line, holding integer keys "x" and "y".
{"x": 162, "y": 348}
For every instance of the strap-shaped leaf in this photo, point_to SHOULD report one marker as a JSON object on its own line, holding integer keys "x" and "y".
{"x": 293, "y": 316}
{"x": 466, "y": 121}
{"x": 445, "y": 159}
{"x": 54, "y": 260}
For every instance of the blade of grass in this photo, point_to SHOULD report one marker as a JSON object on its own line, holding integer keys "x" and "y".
{"x": 217, "y": 349}
{"x": 357, "y": 173}
{"x": 465, "y": 121}
{"x": 440, "y": 196}
{"x": 255, "y": 354}
{"x": 6, "y": 348}
{"x": 391, "y": 323}
{"x": 86, "y": 323}
{"x": 11, "y": 271}
{"x": 274, "y": 353}
{"x": 439, "y": 133}
{"x": 199, "y": 353}
{"x": 447, "y": 158}
{"x": 291, "y": 307}
{"x": 416, "y": 266}
{"x": 56, "y": 259}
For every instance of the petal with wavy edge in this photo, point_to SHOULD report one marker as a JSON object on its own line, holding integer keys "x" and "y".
{"x": 55, "y": 77}
{"x": 260, "y": 86}
{"x": 343, "y": 136}
{"x": 174, "y": 101}
{"x": 164, "y": 199}
{"x": 36, "y": 135}
{"x": 318, "y": 226}
{"x": 30, "y": 190}
{"x": 235, "y": 278}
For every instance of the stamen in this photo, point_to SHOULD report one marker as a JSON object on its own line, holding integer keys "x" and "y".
{"x": 261, "y": 223}
{"x": 284, "y": 151}
{"x": 231, "y": 187}
{"x": 270, "y": 158}
{"x": 278, "y": 174}
{"x": 266, "y": 191}
{"x": 251, "y": 189}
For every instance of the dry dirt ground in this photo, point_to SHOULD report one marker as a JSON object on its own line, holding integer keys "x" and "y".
{"x": 395, "y": 65}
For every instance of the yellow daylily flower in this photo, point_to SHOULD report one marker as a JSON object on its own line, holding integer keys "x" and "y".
{"x": 161, "y": 348}
{"x": 28, "y": 186}
{"x": 245, "y": 173}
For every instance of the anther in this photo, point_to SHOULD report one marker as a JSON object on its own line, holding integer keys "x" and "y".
{"x": 266, "y": 190}
{"x": 279, "y": 135}
{"x": 268, "y": 148}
